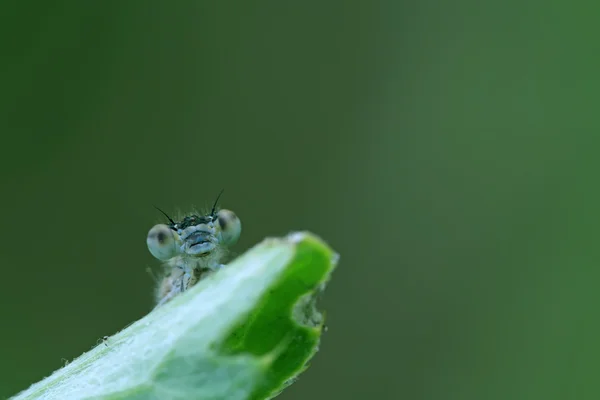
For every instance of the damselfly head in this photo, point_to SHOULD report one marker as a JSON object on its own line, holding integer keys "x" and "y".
{"x": 195, "y": 235}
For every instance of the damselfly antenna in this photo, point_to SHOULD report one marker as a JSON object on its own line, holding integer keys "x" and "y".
{"x": 214, "y": 208}
{"x": 165, "y": 214}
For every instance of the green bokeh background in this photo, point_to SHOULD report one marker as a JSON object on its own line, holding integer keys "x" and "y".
{"x": 447, "y": 150}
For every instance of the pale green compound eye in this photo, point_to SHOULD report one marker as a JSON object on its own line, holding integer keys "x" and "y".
{"x": 230, "y": 227}
{"x": 162, "y": 242}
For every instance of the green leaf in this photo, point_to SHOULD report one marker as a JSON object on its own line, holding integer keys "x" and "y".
{"x": 244, "y": 333}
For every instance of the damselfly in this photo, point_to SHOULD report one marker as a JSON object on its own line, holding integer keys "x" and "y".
{"x": 191, "y": 248}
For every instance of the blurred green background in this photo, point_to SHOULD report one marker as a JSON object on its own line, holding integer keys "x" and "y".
{"x": 447, "y": 150}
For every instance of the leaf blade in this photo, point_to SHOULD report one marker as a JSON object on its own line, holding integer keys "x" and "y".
{"x": 243, "y": 333}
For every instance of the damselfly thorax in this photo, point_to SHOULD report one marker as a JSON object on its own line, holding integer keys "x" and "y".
{"x": 191, "y": 249}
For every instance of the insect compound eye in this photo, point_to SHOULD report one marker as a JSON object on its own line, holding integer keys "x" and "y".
{"x": 230, "y": 227}
{"x": 161, "y": 242}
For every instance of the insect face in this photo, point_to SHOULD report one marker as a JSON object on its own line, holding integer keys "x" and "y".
{"x": 194, "y": 236}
